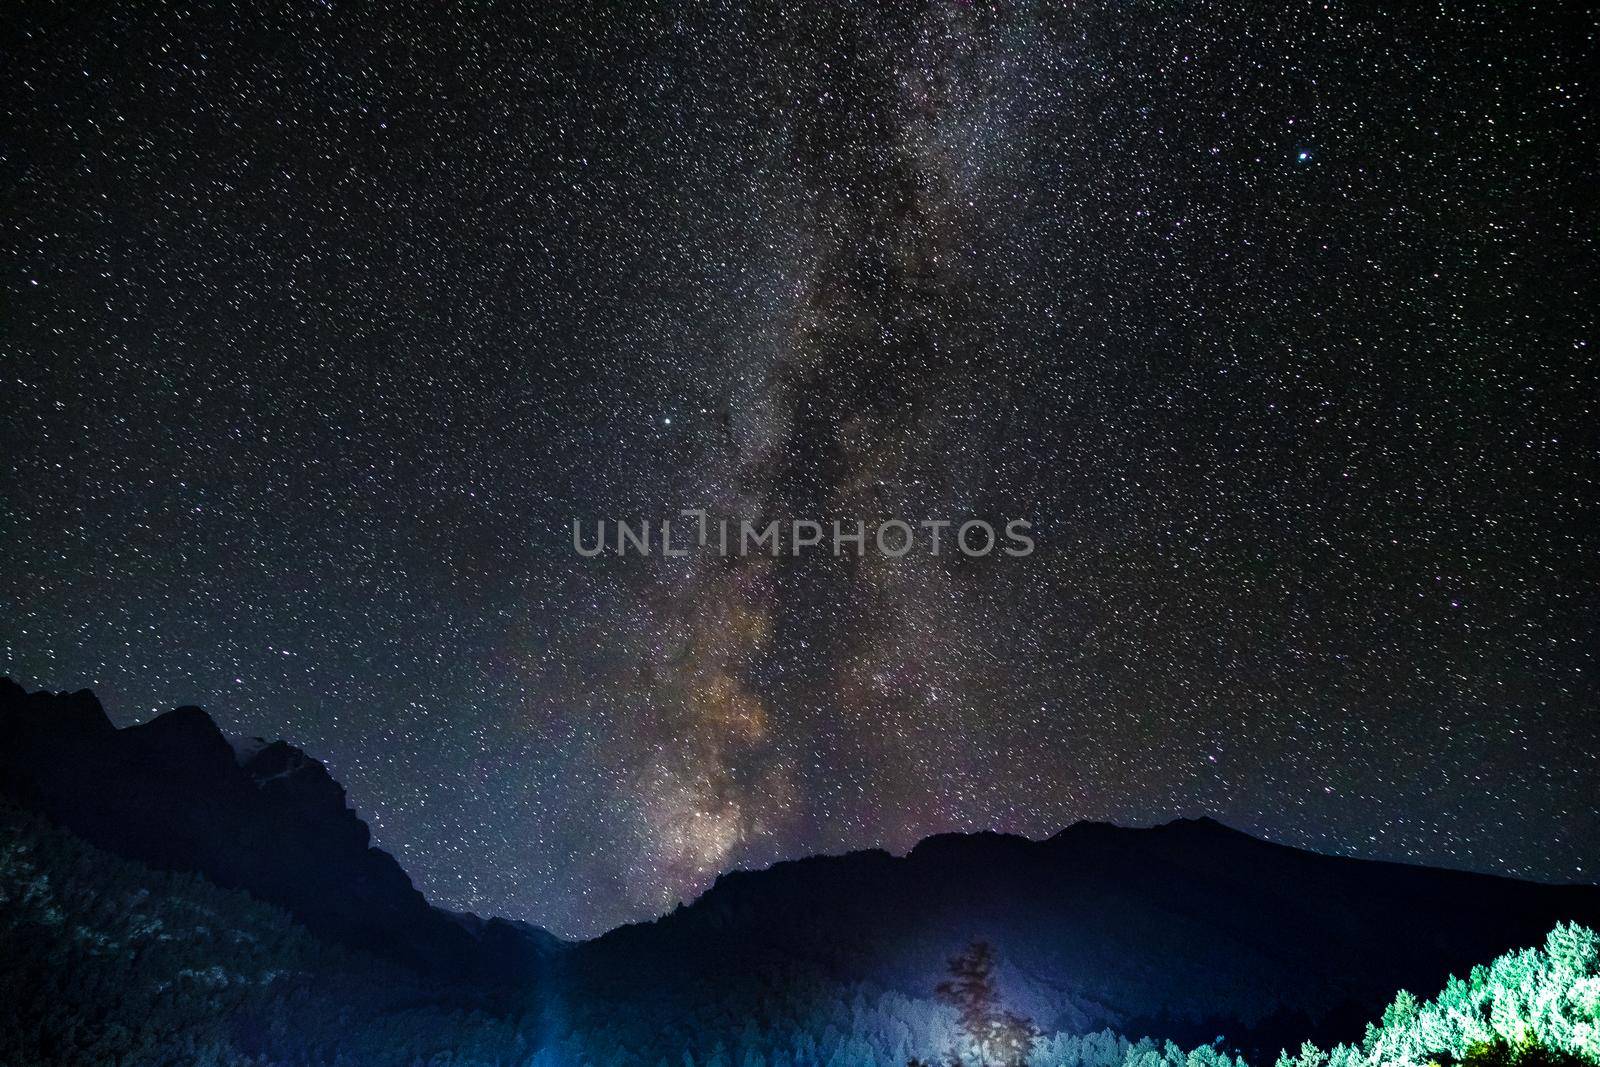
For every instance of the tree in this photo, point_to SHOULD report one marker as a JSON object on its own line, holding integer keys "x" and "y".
{"x": 1528, "y": 1053}
{"x": 999, "y": 1038}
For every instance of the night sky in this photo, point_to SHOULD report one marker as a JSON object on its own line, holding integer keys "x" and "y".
{"x": 320, "y": 326}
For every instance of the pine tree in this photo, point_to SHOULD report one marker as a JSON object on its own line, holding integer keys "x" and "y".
{"x": 999, "y": 1038}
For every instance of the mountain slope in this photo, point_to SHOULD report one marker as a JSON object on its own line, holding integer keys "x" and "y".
{"x": 106, "y": 961}
{"x": 1187, "y": 930}
{"x": 176, "y": 794}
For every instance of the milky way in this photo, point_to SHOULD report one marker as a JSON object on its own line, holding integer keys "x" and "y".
{"x": 321, "y": 326}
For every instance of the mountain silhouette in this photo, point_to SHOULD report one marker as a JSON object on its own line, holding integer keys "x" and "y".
{"x": 1187, "y": 930}
{"x": 176, "y": 794}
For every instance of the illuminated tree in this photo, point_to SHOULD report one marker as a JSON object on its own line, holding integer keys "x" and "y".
{"x": 997, "y": 1037}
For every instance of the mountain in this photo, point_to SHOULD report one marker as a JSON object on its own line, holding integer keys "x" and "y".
{"x": 106, "y": 961}
{"x": 176, "y": 794}
{"x": 1185, "y": 931}
{"x": 1188, "y": 930}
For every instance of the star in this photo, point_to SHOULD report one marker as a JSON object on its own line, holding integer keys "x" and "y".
{"x": 341, "y": 337}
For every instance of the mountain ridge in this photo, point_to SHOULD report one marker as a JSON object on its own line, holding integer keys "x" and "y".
{"x": 174, "y": 792}
{"x": 1186, "y": 929}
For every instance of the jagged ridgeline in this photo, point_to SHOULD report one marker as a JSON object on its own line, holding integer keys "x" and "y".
{"x": 170, "y": 896}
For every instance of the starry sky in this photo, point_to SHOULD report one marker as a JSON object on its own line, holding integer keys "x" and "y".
{"x": 322, "y": 322}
